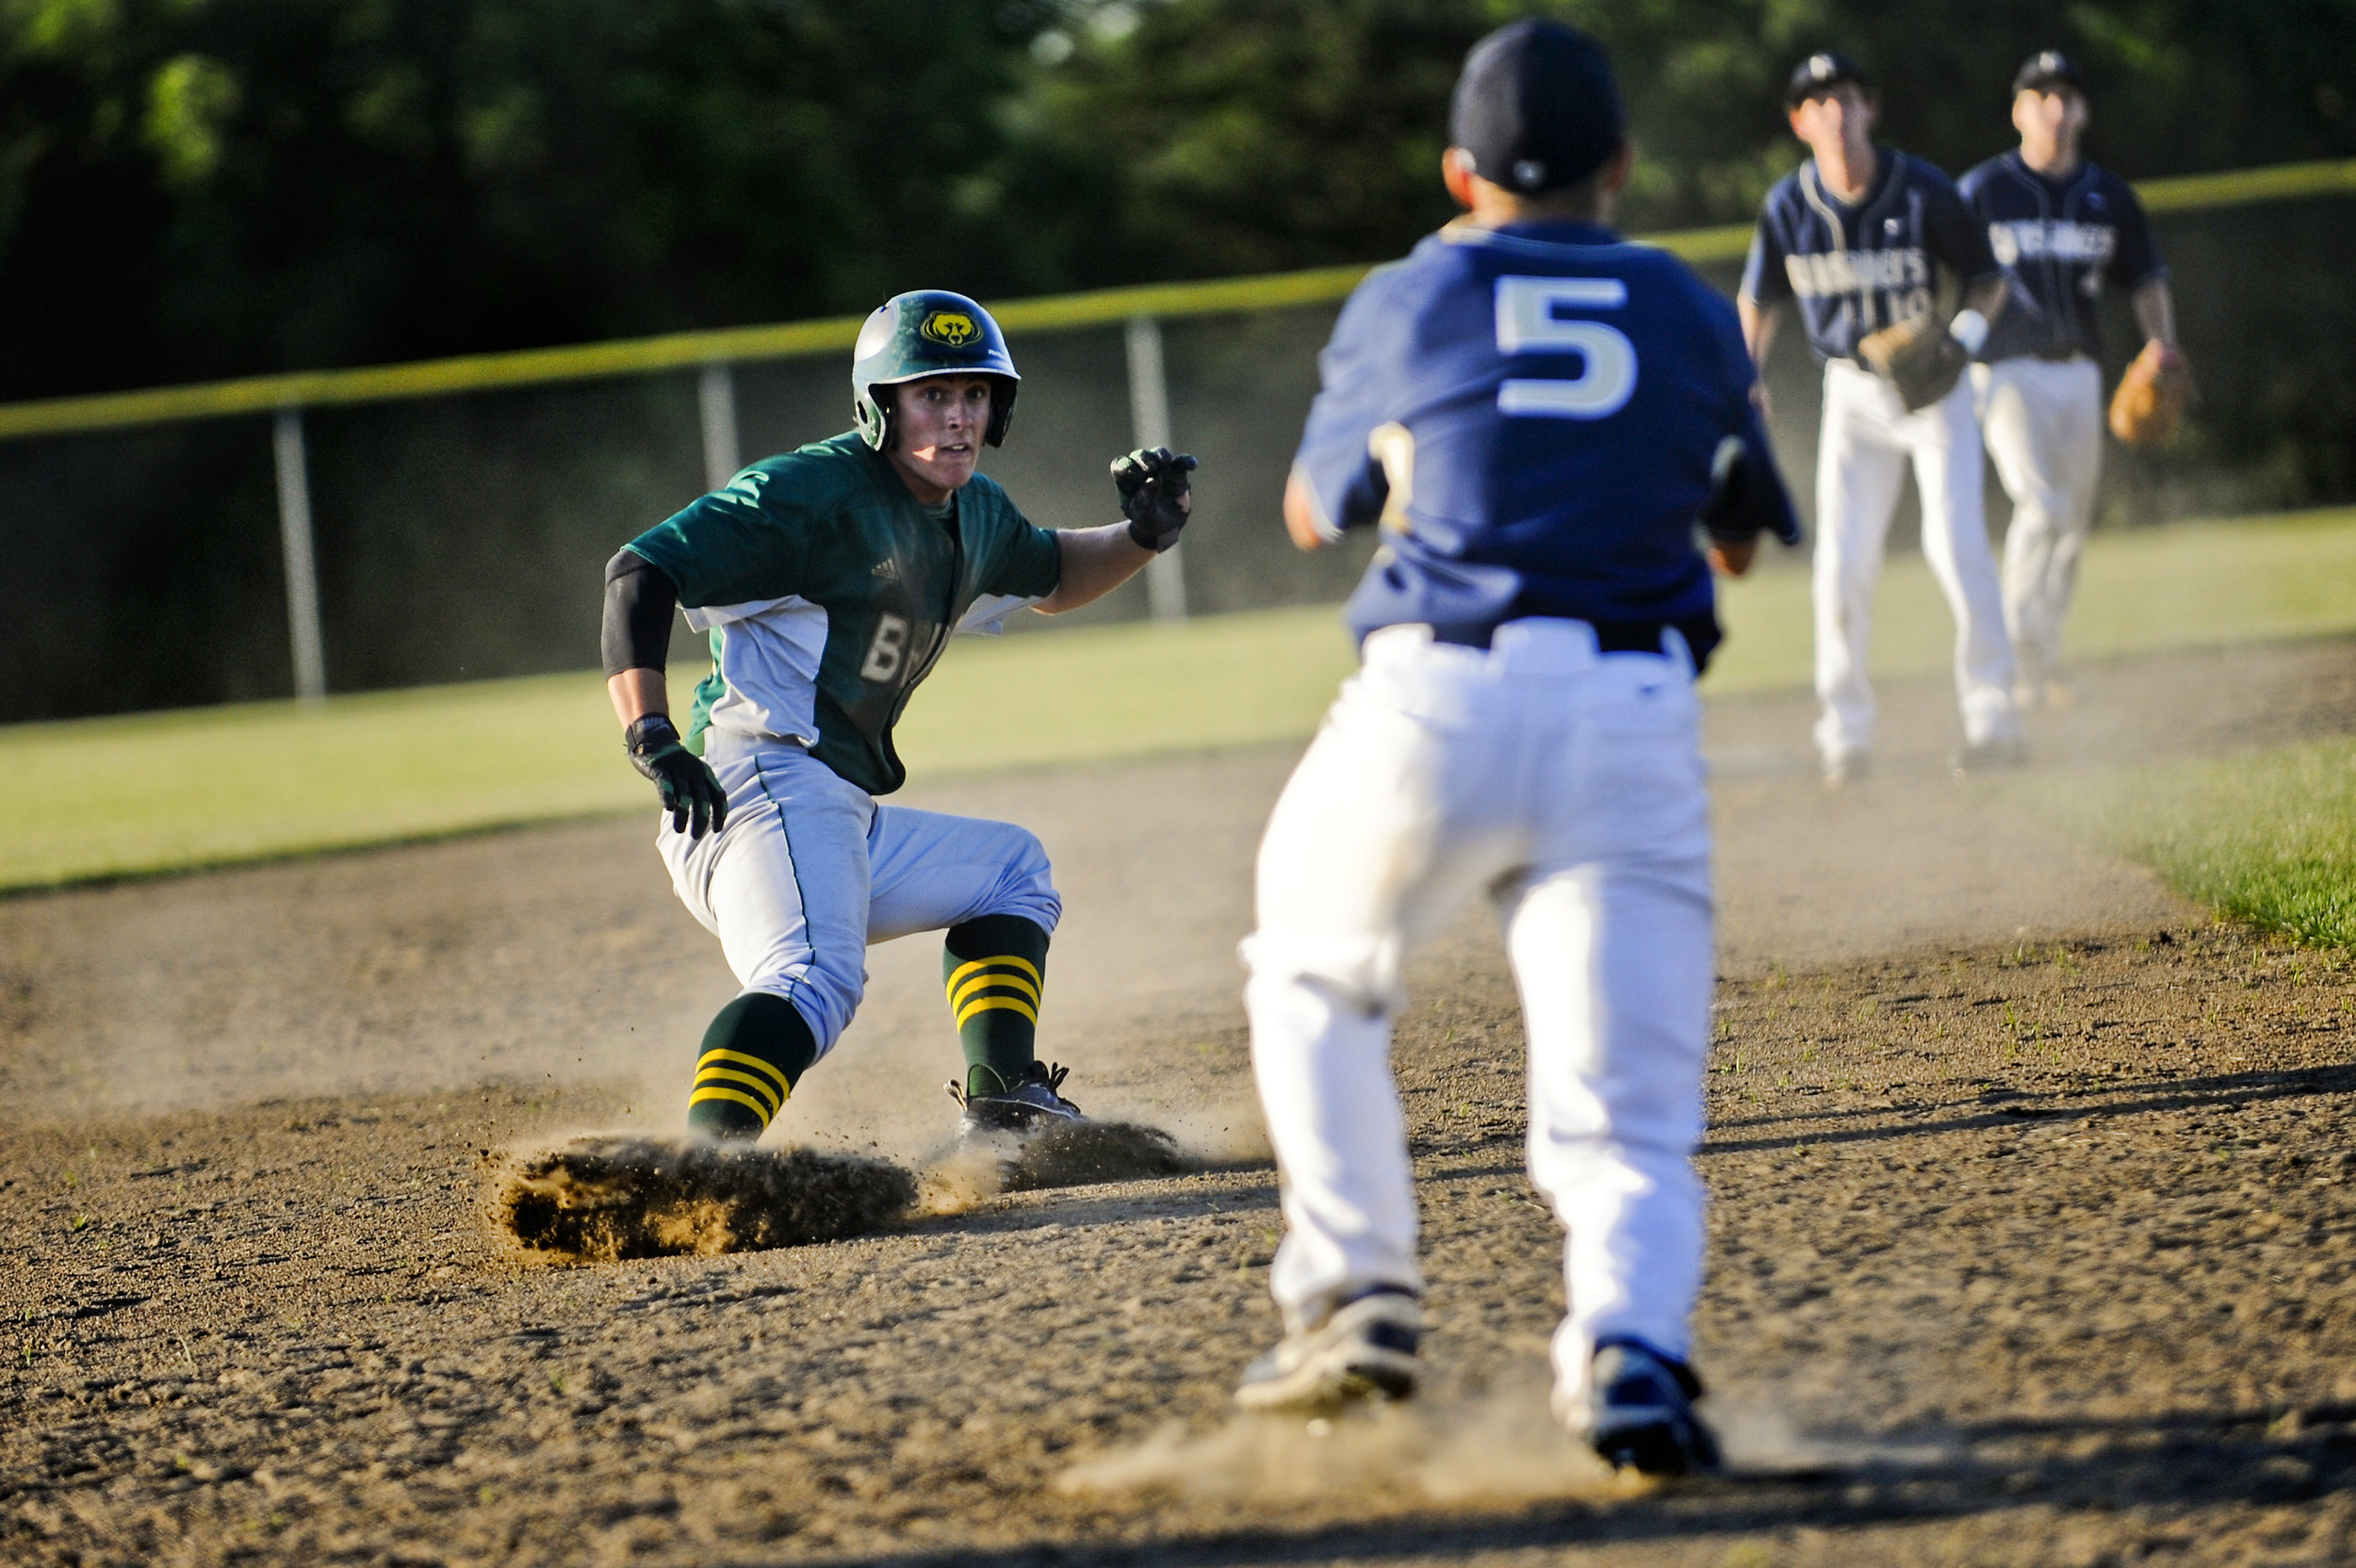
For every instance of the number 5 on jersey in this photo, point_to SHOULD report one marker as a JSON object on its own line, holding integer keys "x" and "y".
{"x": 1526, "y": 324}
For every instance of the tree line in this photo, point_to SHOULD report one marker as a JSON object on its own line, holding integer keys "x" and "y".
{"x": 194, "y": 188}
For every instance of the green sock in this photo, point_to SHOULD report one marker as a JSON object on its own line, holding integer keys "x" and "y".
{"x": 994, "y": 968}
{"x": 756, "y": 1050}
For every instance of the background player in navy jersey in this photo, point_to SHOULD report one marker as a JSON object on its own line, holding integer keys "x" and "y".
{"x": 2060, "y": 227}
{"x": 1534, "y": 412}
{"x": 1865, "y": 237}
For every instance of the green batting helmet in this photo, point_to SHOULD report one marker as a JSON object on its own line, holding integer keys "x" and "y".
{"x": 930, "y": 332}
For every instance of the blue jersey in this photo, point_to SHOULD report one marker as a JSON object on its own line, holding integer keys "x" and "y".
{"x": 1530, "y": 413}
{"x": 1856, "y": 270}
{"x": 2057, "y": 240}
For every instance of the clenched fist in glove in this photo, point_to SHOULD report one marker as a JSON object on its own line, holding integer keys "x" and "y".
{"x": 691, "y": 792}
{"x": 1154, "y": 495}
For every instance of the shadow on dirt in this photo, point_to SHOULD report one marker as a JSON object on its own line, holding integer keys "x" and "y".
{"x": 2011, "y": 1108}
{"x": 2179, "y": 1460}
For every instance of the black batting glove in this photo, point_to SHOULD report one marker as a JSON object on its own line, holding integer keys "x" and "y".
{"x": 691, "y": 790}
{"x": 1154, "y": 487}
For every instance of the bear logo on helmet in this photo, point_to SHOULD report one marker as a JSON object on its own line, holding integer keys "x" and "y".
{"x": 953, "y": 327}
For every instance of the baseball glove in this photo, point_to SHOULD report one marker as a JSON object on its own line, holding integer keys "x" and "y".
{"x": 2151, "y": 398}
{"x": 1918, "y": 357}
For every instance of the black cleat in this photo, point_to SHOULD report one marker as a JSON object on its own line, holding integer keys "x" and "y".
{"x": 1641, "y": 1413}
{"x": 1031, "y": 1105}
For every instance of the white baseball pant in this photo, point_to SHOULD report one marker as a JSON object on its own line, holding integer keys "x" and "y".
{"x": 2043, "y": 424}
{"x": 811, "y": 869}
{"x": 1568, "y": 786}
{"x": 1867, "y": 440}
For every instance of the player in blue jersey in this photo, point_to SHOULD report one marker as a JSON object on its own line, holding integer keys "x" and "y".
{"x": 2061, "y": 227}
{"x": 830, "y": 580}
{"x": 1864, "y": 238}
{"x": 1535, "y": 413}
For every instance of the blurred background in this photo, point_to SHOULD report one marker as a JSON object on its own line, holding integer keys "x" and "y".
{"x": 196, "y": 190}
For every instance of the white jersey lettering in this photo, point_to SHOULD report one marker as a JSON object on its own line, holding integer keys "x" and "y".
{"x": 889, "y": 649}
{"x": 1826, "y": 273}
{"x": 2044, "y": 238}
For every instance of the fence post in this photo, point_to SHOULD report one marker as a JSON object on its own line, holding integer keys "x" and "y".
{"x": 1149, "y": 414}
{"x": 294, "y": 538}
{"x": 715, "y": 396}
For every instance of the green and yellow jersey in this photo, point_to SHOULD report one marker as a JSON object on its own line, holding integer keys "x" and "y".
{"x": 829, "y": 593}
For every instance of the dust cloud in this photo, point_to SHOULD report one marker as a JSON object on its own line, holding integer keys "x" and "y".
{"x": 599, "y": 1198}
{"x": 557, "y": 961}
{"x": 1495, "y": 1447}
{"x": 1499, "y": 1446}
{"x": 596, "y": 1199}
{"x": 1082, "y": 1154}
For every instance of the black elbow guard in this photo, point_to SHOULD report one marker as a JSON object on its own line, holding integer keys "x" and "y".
{"x": 639, "y": 598}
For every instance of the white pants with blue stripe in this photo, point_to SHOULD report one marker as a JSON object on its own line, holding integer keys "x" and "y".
{"x": 811, "y": 869}
{"x": 1567, "y": 786}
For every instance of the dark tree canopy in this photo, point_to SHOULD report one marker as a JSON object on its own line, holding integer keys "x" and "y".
{"x": 1245, "y": 134}
{"x": 201, "y": 187}
{"x": 193, "y": 188}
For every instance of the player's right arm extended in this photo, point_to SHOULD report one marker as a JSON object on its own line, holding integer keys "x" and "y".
{"x": 635, "y": 639}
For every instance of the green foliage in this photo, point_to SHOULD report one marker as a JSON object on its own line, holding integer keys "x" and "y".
{"x": 201, "y": 187}
{"x": 1256, "y": 133}
{"x": 2268, "y": 838}
{"x": 1237, "y": 136}
{"x": 191, "y": 188}
{"x": 190, "y": 103}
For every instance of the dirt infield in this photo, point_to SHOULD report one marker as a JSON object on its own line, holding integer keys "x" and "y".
{"x": 2033, "y": 1211}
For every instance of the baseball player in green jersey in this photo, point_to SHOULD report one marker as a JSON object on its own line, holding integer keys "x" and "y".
{"x": 829, "y": 579}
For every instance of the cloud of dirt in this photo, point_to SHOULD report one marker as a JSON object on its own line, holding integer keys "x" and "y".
{"x": 1501, "y": 1447}
{"x": 1225, "y": 1139}
{"x": 1080, "y": 1155}
{"x": 595, "y": 1199}
{"x": 1761, "y": 1436}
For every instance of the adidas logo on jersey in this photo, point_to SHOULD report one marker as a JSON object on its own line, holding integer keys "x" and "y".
{"x": 888, "y": 569}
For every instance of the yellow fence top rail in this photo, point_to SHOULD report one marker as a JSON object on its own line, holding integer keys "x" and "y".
{"x": 834, "y": 335}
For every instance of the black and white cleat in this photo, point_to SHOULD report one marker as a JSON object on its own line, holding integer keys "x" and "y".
{"x": 1030, "y": 1105}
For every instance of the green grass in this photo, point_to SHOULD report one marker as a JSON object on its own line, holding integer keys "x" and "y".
{"x": 2186, "y": 585}
{"x": 2267, "y": 837}
{"x": 148, "y": 792}
{"x": 152, "y": 792}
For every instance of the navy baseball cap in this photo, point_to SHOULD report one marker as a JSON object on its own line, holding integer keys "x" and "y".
{"x": 1822, "y": 74}
{"x": 2047, "y": 70}
{"x": 1537, "y": 107}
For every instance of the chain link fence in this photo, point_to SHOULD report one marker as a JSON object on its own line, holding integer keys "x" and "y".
{"x": 367, "y": 535}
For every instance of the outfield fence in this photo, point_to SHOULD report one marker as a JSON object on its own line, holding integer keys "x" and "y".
{"x": 139, "y": 521}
